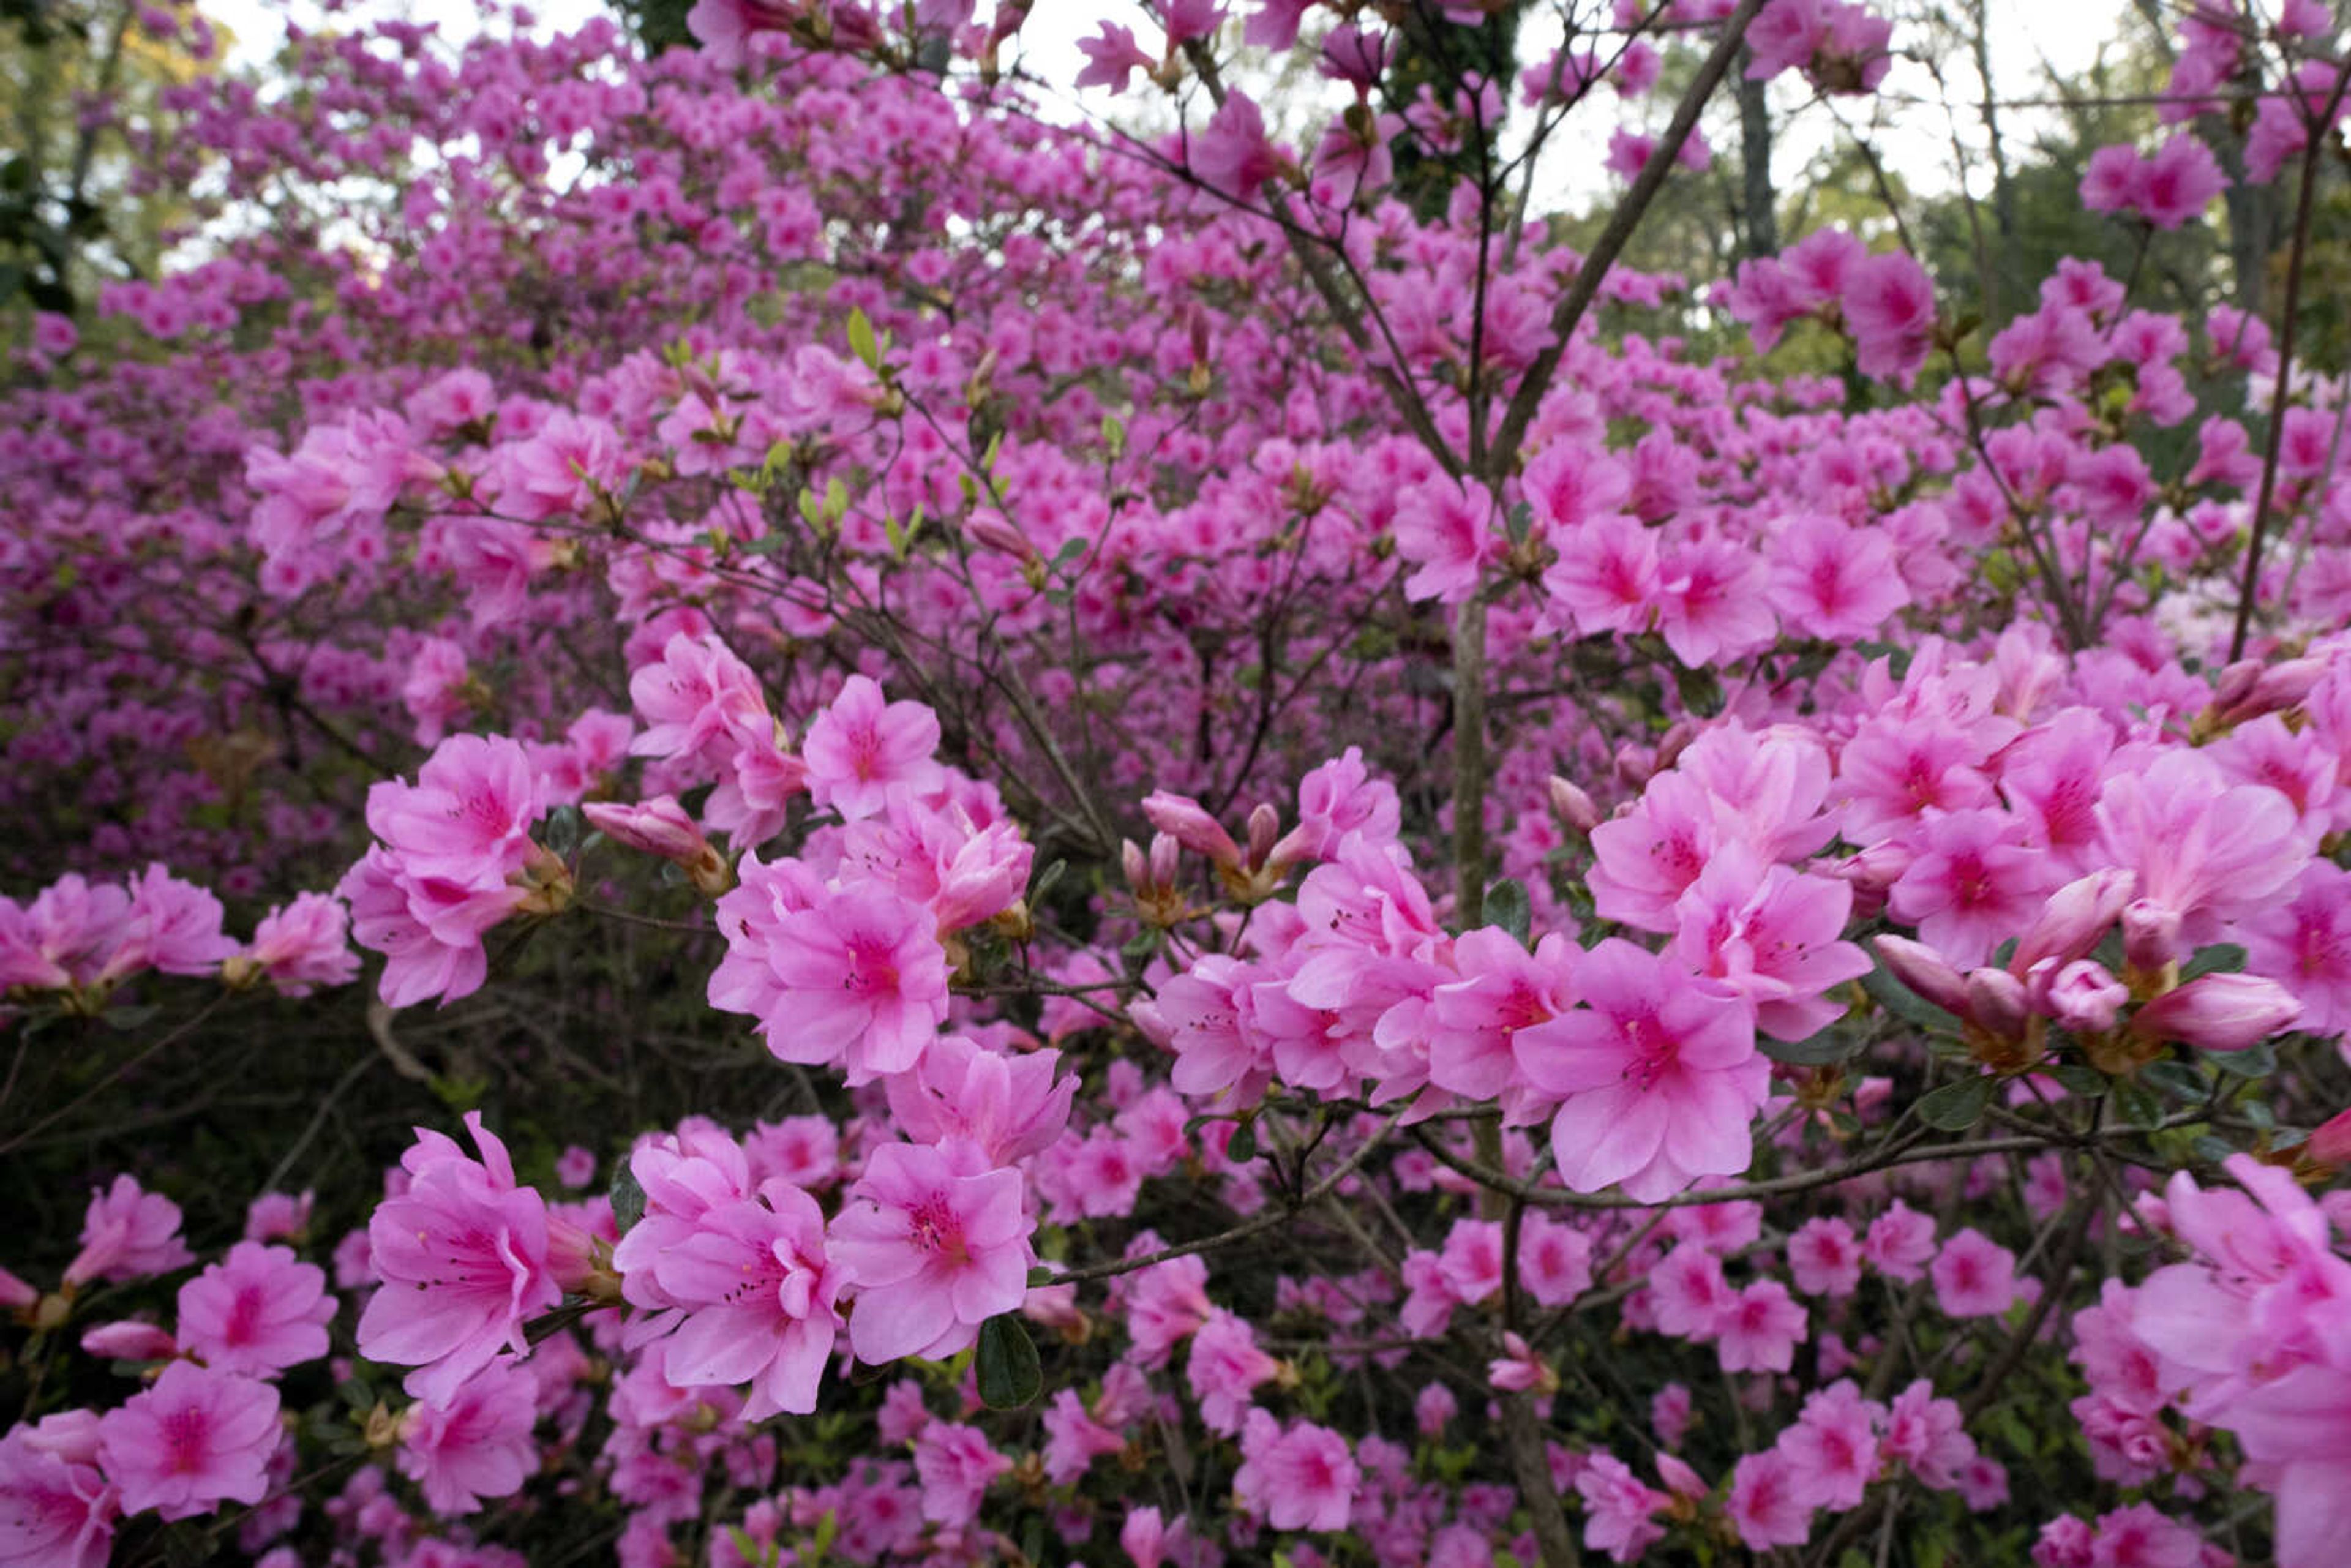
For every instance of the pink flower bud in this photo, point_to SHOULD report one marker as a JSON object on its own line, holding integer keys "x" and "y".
{"x": 2219, "y": 1012}
{"x": 2330, "y": 1145}
{"x": 2075, "y": 918}
{"x": 1001, "y": 537}
{"x": 1137, "y": 869}
{"x": 2083, "y": 995}
{"x": 15, "y": 1294}
{"x": 129, "y": 1342}
{"x": 2235, "y": 683}
{"x": 2283, "y": 686}
{"x": 1924, "y": 970}
{"x": 1674, "y": 742}
{"x": 1573, "y": 806}
{"x": 658, "y": 827}
{"x": 1192, "y": 827}
{"x": 2150, "y": 934}
{"x": 1264, "y": 828}
{"x": 1167, "y": 860}
{"x": 1996, "y": 1003}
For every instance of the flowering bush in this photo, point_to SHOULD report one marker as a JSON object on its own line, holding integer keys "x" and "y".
{"x": 1333, "y": 917}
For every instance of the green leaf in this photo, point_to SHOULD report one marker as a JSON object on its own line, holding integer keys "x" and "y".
{"x": 1038, "y": 1277}
{"x": 2136, "y": 1105}
{"x": 2086, "y": 1081}
{"x": 1902, "y": 1001}
{"x": 861, "y": 340}
{"x": 1241, "y": 1147}
{"x": 122, "y": 1020}
{"x": 2254, "y": 1062}
{"x": 2175, "y": 1079}
{"x": 1830, "y": 1045}
{"x": 1955, "y": 1107}
{"x": 2212, "y": 1149}
{"x": 628, "y": 1198}
{"x": 562, "y": 833}
{"x": 1506, "y": 907}
{"x": 1009, "y": 1373}
{"x": 2221, "y": 957}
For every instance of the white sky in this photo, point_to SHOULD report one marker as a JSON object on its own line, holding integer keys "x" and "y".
{"x": 1915, "y": 139}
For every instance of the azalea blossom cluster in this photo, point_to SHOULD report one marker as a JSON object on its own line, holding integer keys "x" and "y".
{"x": 1368, "y": 922}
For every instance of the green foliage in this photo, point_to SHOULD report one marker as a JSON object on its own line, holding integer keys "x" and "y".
{"x": 658, "y": 24}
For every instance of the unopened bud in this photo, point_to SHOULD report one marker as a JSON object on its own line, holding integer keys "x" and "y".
{"x": 2330, "y": 1145}
{"x": 1137, "y": 869}
{"x": 1002, "y": 537}
{"x": 1925, "y": 971}
{"x": 2150, "y": 935}
{"x": 1191, "y": 825}
{"x": 1996, "y": 1003}
{"x": 2083, "y": 995}
{"x": 658, "y": 827}
{"x": 2219, "y": 1012}
{"x": 1167, "y": 860}
{"x": 2077, "y": 918}
{"x": 1264, "y": 830}
{"x": 129, "y": 1342}
{"x": 1573, "y": 806}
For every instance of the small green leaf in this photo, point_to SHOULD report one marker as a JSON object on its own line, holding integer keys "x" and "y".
{"x": 2086, "y": 1081}
{"x": 2254, "y": 1062}
{"x": 1830, "y": 1045}
{"x": 1042, "y": 1277}
{"x": 1955, "y": 1107}
{"x": 1009, "y": 1373}
{"x": 1241, "y": 1147}
{"x": 1902, "y": 1001}
{"x": 2136, "y": 1105}
{"x": 861, "y": 340}
{"x": 561, "y": 833}
{"x": 2175, "y": 1079}
{"x": 1506, "y": 907}
{"x": 2221, "y": 958}
{"x": 628, "y": 1198}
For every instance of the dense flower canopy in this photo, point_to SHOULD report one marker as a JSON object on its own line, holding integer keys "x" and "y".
{"x": 1387, "y": 912}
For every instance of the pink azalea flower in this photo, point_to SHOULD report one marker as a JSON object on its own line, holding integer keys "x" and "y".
{"x": 128, "y": 1233}
{"x": 1607, "y": 575}
{"x": 1689, "y": 1292}
{"x": 1112, "y": 57}
{"x": 429, "y": 929}
{"x": 1761, "y": 1331}
{"x": 1972, "y": 884}
{"x": 698, "y": 702}
{"x": 1448, "y": 534}
{"x": 1834, "y": 1446}
{"x": 1074, "y": 1439}
{"x": 474, "y": 1443}
{"x": 1889, "y": 305}
{"x": 1824, "y": 1256}
{"x": 2204, "y": 849}
{"x": 1772, "y": 935}
{"x": 1232, "y": 153}
{"x": 1619, "y": 1511}
{"x": 463, "y": 1257}
{"x": 468, "y": 816}
{"x": 259, "y": 1310}
{"x": 1554, "y": 1260}
{"x": 195, "y": 1440}
{"x": 1925, "y": 1433}
{"x": 957, "y": 1466}
{"x": 759, "y": 1296}
{"x": 1657, "y": 1073}
{"x": 1712, "y": 603}
{"x": 857, "y": 978}
{"x": 57, "y": 1509}
{"x": 1900, "y": 1241}
{"x": 1298, "y": 1477}
{"x": 1223, "y": 1367}
{"x": 304, "y": 944}
{"x": 1832, "y": 581}
{"x": 1767, "y": 1502}
{"x": 857, "y": 749}
{"x": 1010, "y": 1106}
{"x": 935, "y": 1243}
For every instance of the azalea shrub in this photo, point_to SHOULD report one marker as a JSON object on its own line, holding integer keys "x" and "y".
{"x": 955, "y": 834}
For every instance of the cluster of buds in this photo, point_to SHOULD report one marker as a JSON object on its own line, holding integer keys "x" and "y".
{"x": 1251, "y": 876}
{"x": 2005, "y": 1011}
